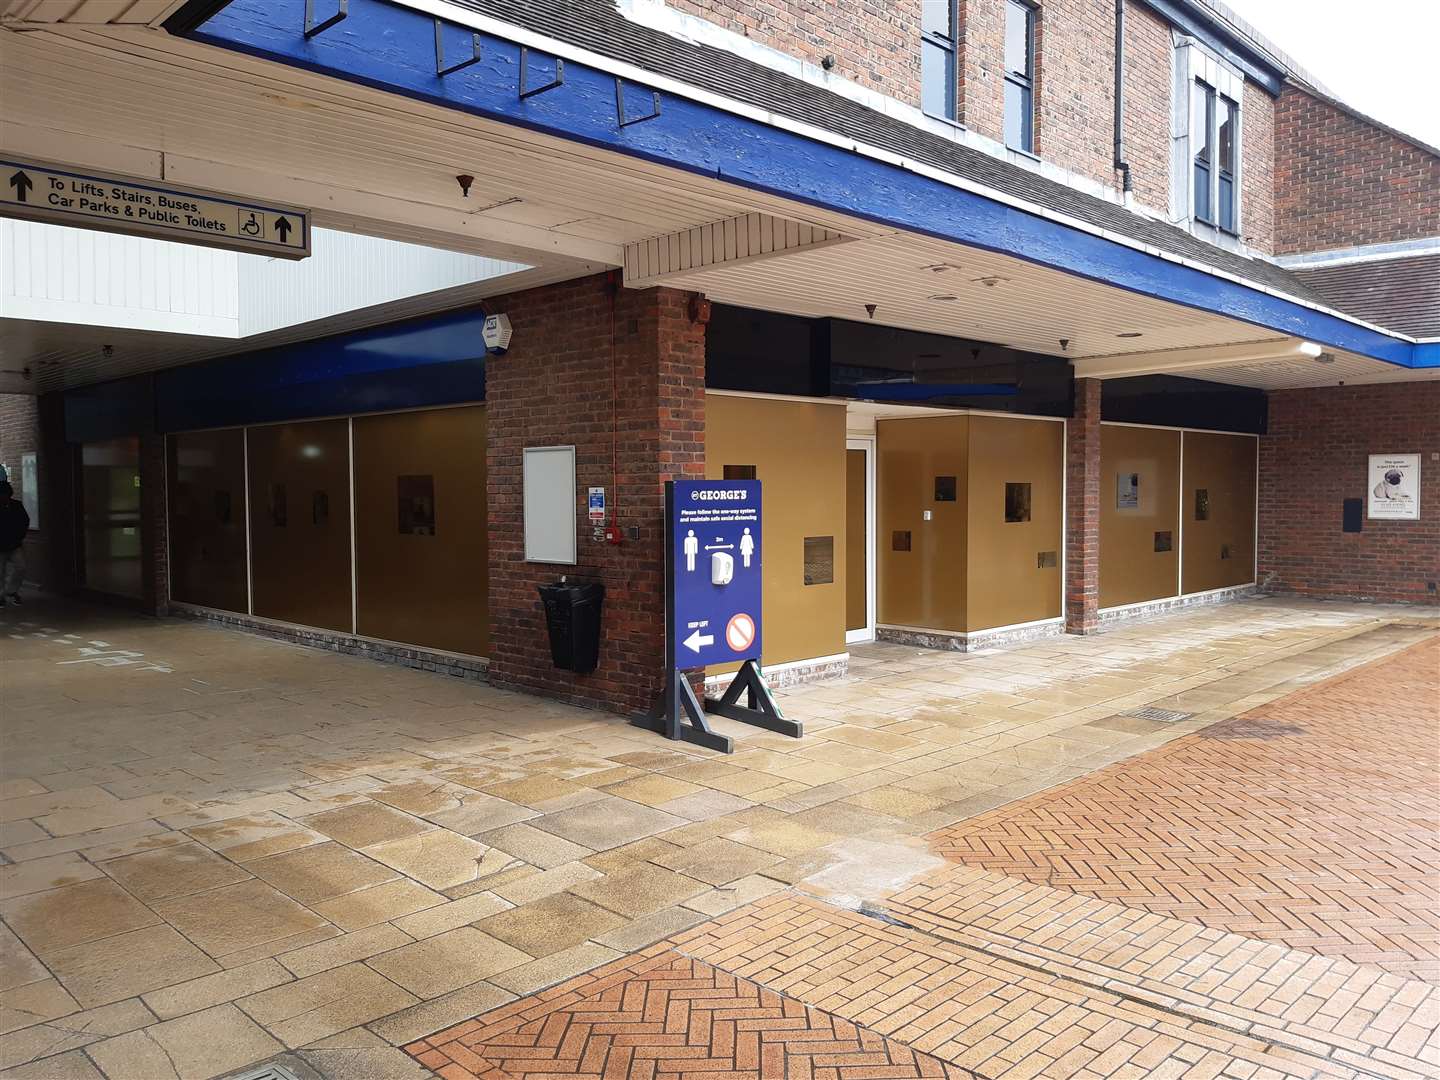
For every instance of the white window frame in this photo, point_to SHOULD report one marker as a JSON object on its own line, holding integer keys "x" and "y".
{"x": 1194, "y": 63}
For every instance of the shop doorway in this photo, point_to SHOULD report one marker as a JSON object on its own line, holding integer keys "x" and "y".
{"x": 110, "y": 516}
{"x": 859, "y": 540}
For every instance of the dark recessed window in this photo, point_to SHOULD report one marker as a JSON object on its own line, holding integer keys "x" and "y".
{"x": 1215, "y": 156}
{"x": 1046, "y": 560}
{"x": 1017, "y": 502}
{"x": 900, "y": 540}
{"x": 223, "y": 508}
{"x": 1226, "y": 137}
{"x": 944, "y": 489}
{"x": 739, "y": 472}
{"x": 415, "y": 505}
{"x": 1019, "y": 76}
{"x": 939, "y": 84}
{"x": 279, "y": 506}
{"x": 1164, "y": 541}
{"x": 320, "y": 508}
{"x": 1202, "y": 504}
{"x": 1224, "y": 551}
{"x": 819, "y": 560}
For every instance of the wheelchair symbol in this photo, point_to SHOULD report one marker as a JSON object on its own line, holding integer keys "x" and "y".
{"x": 251, "y": 227}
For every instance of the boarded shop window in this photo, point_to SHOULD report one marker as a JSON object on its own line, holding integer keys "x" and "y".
{"x": 1046, "y": 560}
{"x": 1164, "y": 541}
{"x": 279, "y": 511}
{"x": 819, "y": 560}
{"x": 1017, "y": 502}
{"x": 900, "y": 540}
{"x": 739, "y": 472}
{"x": 416, "y": 499}
{"x": 222, "y": 507}
{"x": 1202, "y": 504}
{"x": 944, "y": 489}
{"x": 320, "y": 508}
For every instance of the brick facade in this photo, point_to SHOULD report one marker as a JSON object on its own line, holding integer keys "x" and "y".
{"x": 1148, "y": 88}
{"x": 25, "y": 422}
{"x": 1082, "y": 510}
{"x": 878, "y": 46}
{"x": 1343, "y": 182}
{"x": 875, "y": 45}
{"x": 633, "y": 405}
{"x": 1313, "y": 458}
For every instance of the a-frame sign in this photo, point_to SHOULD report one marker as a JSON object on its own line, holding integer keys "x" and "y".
{"x": 713, "y": 554}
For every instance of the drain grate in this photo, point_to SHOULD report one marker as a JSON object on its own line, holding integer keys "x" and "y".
{"x": 1154, "y": 712}
{"x": 265, "y": 1072}
{"x": 1252, "y": 729}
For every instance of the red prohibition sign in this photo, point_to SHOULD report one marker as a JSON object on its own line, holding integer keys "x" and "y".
{"x": 740, "y": 632}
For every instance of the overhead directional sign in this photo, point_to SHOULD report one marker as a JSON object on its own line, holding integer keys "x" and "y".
{"x": 715, "y": 572}
{"x": 55, "y": 193}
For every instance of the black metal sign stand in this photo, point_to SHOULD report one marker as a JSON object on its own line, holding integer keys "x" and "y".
{"x": 679, "y": 714}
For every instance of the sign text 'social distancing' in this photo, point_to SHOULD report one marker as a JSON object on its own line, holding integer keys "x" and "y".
{"x": 56, "y": 194}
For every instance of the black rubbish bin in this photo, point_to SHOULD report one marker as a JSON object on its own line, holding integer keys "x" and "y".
{"x": 572, "y": 615}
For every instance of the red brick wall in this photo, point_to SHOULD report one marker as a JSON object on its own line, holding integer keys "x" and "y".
{"x": 636, "y": 421}
{"x": 1315, "y": 456}
{"x": 1147, "y": 105}
{"x": 874, "y": 44}
{"x": 1075, "y": 91}
{"x": 1341, "y": 182}
{"x": 981, "y": 65}
{"x": 47, "y": 551}
{"x": 878, "y": 45}
{"x": 1257, "y": 168}
{"x": 1082, "y": 510}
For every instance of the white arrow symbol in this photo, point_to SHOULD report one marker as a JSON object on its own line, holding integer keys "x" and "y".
{"x": 697, "y": 639}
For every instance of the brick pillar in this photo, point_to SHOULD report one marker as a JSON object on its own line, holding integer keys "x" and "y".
{"x": 619, "y": 374}
{"x": 154, "y": 525}
{"x": 1082, "y": 510}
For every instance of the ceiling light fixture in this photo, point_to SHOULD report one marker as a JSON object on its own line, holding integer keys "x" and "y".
{"x": 942, "y": 296}
{"x": 989, "y": 281}
{"x": 1309, "y": 348}
{"x": 1131, "y": 333}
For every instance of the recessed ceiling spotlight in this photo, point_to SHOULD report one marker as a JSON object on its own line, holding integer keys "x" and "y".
{"x": 1131, "y": 333}
{"x": 941, "y": 267}
{"x": 942, "y": 296}
{"x": 989, "y": 281}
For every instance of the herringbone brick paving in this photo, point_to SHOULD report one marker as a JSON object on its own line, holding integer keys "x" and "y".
{"x": 669, "y": 1017}
{"x": 1313, "y": 822}
{"x": 994, "y": 1009}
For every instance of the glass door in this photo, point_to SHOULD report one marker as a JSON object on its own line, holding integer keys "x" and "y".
{"x": 859, "y": 540}
{"x": 110, "y": 506}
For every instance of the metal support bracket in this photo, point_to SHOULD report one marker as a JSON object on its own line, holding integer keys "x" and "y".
{"x": 620, "y": 105}
{"x": 440, "y": 68}
{"x": 679, "y": 715}
{"x": 759, "y": 708}
{"x": 312, "y": 27}
{"x": 530, "y": 91}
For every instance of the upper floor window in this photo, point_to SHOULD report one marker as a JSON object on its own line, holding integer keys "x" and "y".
{"x": 1019, "y": 76}
{"x": 1214, "y": 123}
{"x": 939, "y": 83}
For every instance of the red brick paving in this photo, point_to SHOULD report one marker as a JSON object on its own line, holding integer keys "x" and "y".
{"x": 669, "y": 1018}
{"x": 1313, "y": 821}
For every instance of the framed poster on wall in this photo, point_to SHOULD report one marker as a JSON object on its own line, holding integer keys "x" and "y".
{"x": 1394, "y": 487}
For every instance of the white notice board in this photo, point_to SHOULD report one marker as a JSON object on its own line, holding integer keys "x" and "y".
{"x": 550, "y": 494}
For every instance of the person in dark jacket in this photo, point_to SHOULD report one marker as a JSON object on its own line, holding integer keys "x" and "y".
{"x": 14, "y": 524}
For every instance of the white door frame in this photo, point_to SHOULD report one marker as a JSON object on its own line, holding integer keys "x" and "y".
{"x": 867, "y": 444}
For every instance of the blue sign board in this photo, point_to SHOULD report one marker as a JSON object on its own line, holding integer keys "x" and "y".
{"x": 714, "y": 572}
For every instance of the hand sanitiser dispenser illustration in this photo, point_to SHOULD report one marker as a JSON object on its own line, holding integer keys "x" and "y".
{"x": 722, "y": 568}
